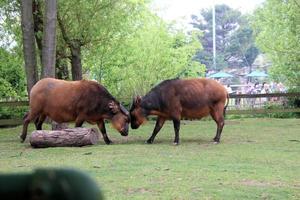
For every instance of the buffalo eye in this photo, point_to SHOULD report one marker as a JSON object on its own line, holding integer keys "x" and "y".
{"x": 137, "y": 100}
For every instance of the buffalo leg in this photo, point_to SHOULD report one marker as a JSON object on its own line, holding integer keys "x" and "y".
{"x": 39, "y": 122}
{"x": 78, "y": 123}
{"x": 26, "y": 120}
{"x": 219, "y": 131}
{"x": 217, "y": 115}
{"x": 36, "y": 121}
{"x": 176, "y": 124}
{"x": 159, "y": 123}
{"x": 101, "y": 126}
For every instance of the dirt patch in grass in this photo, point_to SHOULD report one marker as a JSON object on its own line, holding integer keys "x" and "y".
{"x": 132, "y": 191}
{"x": 257, "y": 183}
{"x": 231, "y": 122}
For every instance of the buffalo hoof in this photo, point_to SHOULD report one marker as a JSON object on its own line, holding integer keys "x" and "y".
{"x": 108, "y": 142}
{"x": 149, "y": 142}
{"x": 217, "y": 140}
{"x": 22, "y": 139}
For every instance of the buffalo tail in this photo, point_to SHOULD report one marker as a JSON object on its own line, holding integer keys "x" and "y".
{"x": 224, "y": 111}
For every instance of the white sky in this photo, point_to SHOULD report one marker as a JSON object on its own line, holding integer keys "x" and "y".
{"x": 181, "y": 10}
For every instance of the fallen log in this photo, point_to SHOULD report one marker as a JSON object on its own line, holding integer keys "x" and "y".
{"x": 75, "y": 137}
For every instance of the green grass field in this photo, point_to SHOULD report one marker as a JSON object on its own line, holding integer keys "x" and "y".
{"x": 256, "y": 159}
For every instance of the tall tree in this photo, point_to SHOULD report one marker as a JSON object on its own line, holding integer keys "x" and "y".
{"x": 28, "y": 43}
{"x": 242, "y": 49}
{"x": 61, "y": 64}
{"x": 74, "y": 45}
{"x": 131, "y": 64}
{"x": 233, "y": 37}
{"x": 49, "y": 39}
{"x": 38, "y": 26}
{"x": 87, "y": 25}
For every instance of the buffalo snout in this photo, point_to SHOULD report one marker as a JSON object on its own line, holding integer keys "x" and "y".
{"x": 134, "y": 125}
{"x": 124, "y": 130}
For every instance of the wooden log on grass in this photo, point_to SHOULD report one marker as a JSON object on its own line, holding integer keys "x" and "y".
{"x": 75, "y": 137}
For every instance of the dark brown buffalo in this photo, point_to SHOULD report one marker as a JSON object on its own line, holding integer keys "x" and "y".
{"x": 79, "y": 101}
{"x": 176, "y": 99}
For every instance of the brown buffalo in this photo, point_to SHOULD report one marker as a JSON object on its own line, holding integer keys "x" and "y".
{"x": 79, "y": 101}
{"x": 176, "y": 99}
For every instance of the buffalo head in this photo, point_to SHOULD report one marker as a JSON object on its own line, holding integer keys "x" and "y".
{"x": 137, "y": 113}
{"x": 120, "y": 118}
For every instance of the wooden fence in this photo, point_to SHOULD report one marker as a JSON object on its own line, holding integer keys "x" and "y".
{"x": 261, "y": 103}
{"x": 239, "y": 104}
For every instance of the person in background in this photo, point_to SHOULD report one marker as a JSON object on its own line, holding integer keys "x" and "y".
{"x": 256, "y": 88}
{"x": 250, "y": 90}
{"x": 238, "y": 100}
{"x": 281, "y": 87}
{"x": 264, "y": 90}
{"x": 228, "y": 88}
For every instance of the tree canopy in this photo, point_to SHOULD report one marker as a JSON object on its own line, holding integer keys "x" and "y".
{"x": 12, "y": 76}
{"x": 277, "y": 29}
{"x": 122, "y": 44}
{"x": 234, "y": 40}
{"x": 152, "y": 52}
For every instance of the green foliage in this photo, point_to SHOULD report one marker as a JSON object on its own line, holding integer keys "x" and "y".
{"x": 294, "y": 101}
{"x": 12, "y": 77}
{"x": 13, "y": 112}
{"x": 97, "y": 21}
{"x": 124, "y": 45}
{"x": 280, "y": 115}
{"x": 277, "y": 29}
{"x": 12, "y": 81}
{"x": 6, "y": 89}
{"x": 256, "y": 159}
{"x": 10, "y": 23}
{"x": 137, "y": 60}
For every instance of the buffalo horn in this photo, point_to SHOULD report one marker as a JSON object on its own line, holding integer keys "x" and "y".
{"x": 124, "y": 110}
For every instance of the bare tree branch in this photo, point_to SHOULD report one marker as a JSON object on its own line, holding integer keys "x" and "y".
{"x": 297, "y": 3}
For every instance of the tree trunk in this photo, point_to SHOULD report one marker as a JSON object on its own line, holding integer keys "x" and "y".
{"x": 75, "y": 48}
{"x": 76, "y": 62}
{"x": 38, "y": 27}
{"x": 75, "y": 137}
{"x": 61, "y": 69}
{"x": 28, "y": 43}
{"x": 49, "y": 39}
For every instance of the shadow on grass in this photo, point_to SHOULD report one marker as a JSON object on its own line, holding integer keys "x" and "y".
{"x": 164, "y": 141}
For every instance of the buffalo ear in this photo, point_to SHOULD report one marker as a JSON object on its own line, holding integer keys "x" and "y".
{"x": 137, "y": 100}
{"x": 113, "y": 107}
